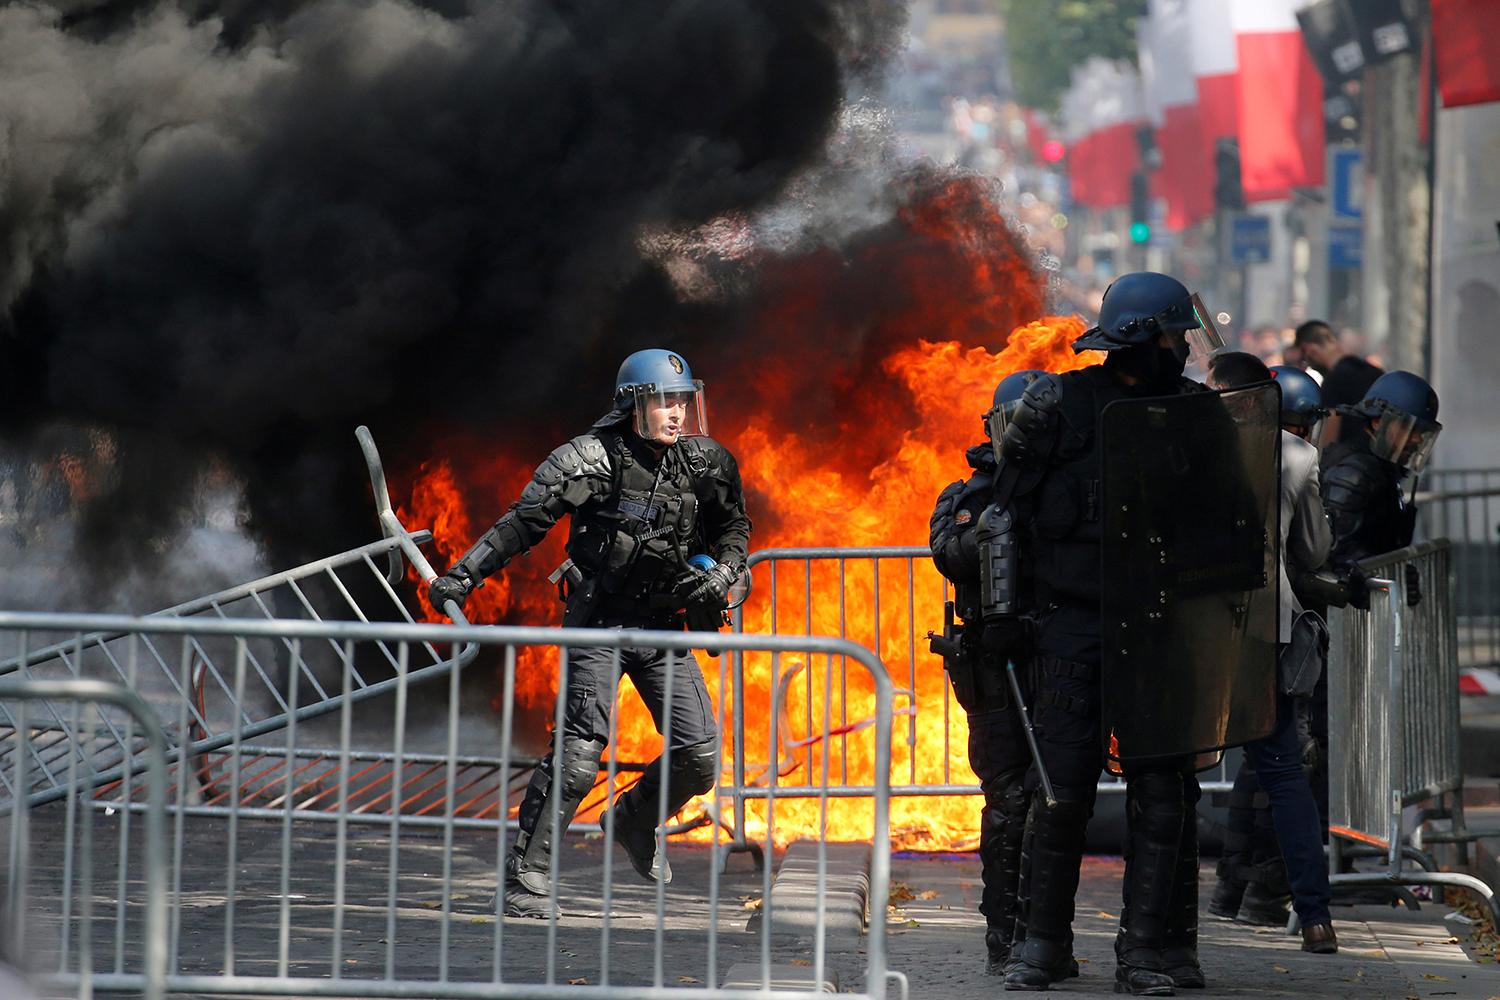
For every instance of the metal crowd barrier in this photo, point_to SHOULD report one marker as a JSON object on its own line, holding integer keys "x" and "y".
{"x": 193, "y": 691}
{"x": 886, "y": 598}
{"x": 287, "y": 898}
{"x": 1393, "y": 722}
{"x": 85, "y": 907}
{"x": 1463, "y": 505}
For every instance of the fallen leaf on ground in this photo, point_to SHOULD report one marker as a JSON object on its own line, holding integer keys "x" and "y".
{"x": 1280, "y": 968}
{"x": 912, "y": 923}
{"x": 900, "y": 893}
{"x": 1434, "y": 977}
{"x": 800, "y": 961}
{"x": 580, "y": 981}
{"x": 752, "y": 904}
{"x": 688, "y": 980}
{"x": 927, "y": 894}
{"x": 1104, "y": 916}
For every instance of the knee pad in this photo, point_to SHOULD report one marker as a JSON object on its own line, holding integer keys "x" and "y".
{"x": 580, "y": 766}
{"x": 1156, "y": 808}
{"x": 696, "y": 768}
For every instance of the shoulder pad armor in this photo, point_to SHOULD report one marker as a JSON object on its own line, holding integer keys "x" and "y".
{"x": 1353, "y": 481}
{"x": 1032, "y": 432}
{"x": 705, "y": 456}
{"x": 584, "y": 457}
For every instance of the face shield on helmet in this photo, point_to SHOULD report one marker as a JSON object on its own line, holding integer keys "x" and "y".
{"x": 1404, "y": 440}
{"x": 1204, "y": 340}
{"x": 664, "y": 415}
{"x": 1007, "y": 398}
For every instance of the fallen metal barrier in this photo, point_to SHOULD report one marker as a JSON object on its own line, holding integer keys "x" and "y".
{"x": 1393, "y": 722}
{"x": 287, "y": 897}
{"x": 77, "y": 916}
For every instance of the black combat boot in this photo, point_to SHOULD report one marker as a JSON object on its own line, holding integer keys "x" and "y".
{"x": 637, "y": 834}
{"x": 1264, "y": 905}
{"x": 1001, "y": 832}
{"x": 529, "y": 866}
{"x": 1154, "y": 811}
{"x": 1181, "y": 952}
{"x": 1052, "y": 851}
{"x": 1228, "y": 892}
{"x": 518, "y": 900}
{"x": 996, "y": 951}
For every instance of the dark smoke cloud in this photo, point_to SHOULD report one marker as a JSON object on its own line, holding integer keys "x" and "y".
{"x": 240, "y": 229}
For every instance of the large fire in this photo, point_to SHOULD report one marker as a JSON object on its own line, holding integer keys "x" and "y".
{"x": 909, "y": 401}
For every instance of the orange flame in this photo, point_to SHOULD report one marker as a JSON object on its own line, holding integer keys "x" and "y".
{"x": 894, "y": 415}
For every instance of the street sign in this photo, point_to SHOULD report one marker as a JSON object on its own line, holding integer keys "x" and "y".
{"x": 1346, "y": 190}
{"x": 1249, "y": 239}
{"x": 1344, "y": 245}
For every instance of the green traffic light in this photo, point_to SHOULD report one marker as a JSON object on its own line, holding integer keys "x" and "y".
{"x": 1140, "y": 232}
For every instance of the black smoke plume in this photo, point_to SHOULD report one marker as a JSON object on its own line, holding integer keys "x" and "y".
{"x": 230, "y": 232}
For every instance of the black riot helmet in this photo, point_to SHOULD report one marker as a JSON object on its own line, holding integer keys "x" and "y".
{"x": 1402, "y": 410}
{"x": 1007, "y": 397}
{"x": 1138, "y": 307}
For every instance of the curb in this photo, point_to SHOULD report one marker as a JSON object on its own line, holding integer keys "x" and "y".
{"x": 795, "y": 903}
{"x": 793, "y": 978}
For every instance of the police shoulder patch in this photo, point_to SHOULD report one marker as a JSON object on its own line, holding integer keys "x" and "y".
{"x": 964, "y": 516}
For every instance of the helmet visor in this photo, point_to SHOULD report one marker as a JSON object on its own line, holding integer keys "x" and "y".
{"x": 997, "y": 420}
{"x": 1403, "y": 440}
{"x": 663, "y": 416}
{"x": 1204, "y": 339}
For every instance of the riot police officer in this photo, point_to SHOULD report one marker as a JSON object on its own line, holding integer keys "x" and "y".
{"x": 972, "y": 539}
{"x": 1144, "y": 324}
{"x": 647, "y": 491}
{"x": 1362, "y": 476}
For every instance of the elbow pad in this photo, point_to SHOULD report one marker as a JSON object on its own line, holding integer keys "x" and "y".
{"x": 999, "y": 569}
{"x": 1031, "y": 433}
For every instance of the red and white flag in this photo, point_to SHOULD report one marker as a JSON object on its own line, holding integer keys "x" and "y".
{"x": 1185, "y": 175}
{"x": 1215, "y": 66}
{"x": 1280, "y": 101}
{"x": 1466, "y": 42}
{"x": 1102, "y": 108}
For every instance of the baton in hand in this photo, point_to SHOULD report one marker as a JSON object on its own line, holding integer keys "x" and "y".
{"x": 1036, "y": 754}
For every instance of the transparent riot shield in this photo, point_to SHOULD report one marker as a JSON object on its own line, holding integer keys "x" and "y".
{"x": 1190, "y": 528}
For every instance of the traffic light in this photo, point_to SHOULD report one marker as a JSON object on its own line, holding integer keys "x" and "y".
{"x": 1229, "y": 194}
{"x": 1140, "y": 207}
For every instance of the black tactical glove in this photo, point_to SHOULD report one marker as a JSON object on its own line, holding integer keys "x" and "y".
{"x": 1357, "y": 586}
{"x": 710, "y": 589}
{"x": 1413, "y": 586}
{"x": 449, "y": 588}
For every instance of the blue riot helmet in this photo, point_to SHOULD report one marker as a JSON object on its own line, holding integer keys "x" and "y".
{"x": 657, "y": 387}
{"x": 1301, "y": 399}
{"x": 1140, "y": 306}
{"x": 1007, "y": 397}
{"x": 1402, "y": 411}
